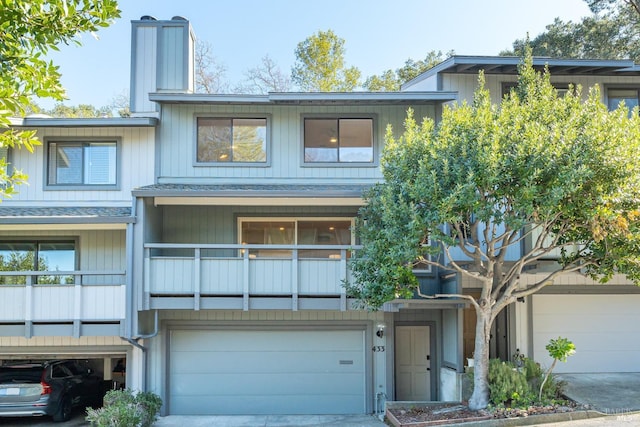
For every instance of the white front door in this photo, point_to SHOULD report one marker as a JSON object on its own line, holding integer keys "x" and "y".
{"x": 413, "y": 363}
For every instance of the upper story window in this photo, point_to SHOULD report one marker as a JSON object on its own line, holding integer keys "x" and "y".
{"x": 338, "y": 140}
{"x": 616, "y": 96}
{"x": 37, "y": 256}
{"x": 82, "y": 163}
{"x": 232, "y": 140}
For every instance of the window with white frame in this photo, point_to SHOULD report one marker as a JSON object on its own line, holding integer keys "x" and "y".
{"x": 627, "y": 96}
{"x": 231, "y": 140}
{"x": 292, "y": 231}
{"x": 338, "y": 140}
{"x": 80, "y": 163}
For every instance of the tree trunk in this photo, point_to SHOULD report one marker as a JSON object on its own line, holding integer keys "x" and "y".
{"x": 480, "y": 397}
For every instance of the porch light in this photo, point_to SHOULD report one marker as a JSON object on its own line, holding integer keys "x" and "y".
{"x": 380, "y": 331}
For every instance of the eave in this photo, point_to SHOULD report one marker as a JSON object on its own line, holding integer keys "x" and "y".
{"x": 254, "y": 195}
{"x": 56, "y": 122}
{"x": 308, "y": 98}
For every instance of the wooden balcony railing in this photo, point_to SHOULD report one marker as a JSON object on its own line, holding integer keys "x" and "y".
{"x": 244, "y": 271}
{"x": 62, "y": 296}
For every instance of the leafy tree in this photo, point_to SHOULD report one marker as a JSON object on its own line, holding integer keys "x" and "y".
{"x": 390, "y": 81}
{"x": 612, "y": 33}
{"x": 264, "y": 78}
{"x": 320, "y": 65}
{"x": 79, "y": 111}
{"x": 556, "y": 173}
{"x": 210, "y": 73}
{"x": 29, "y": 30}
{"x": 600, "y": 5}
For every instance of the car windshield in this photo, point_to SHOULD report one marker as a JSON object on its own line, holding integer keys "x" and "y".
{"x": 13, "y": 374}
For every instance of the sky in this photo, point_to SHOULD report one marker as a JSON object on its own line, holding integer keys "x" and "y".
{"x": 379, "y": 34}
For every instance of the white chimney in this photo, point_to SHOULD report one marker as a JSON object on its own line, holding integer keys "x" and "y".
{"x": 162, "y": 60}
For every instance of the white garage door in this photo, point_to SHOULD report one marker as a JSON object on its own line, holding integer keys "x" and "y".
{"x": 267, "y": 372}
{"x": 604, "y": 329}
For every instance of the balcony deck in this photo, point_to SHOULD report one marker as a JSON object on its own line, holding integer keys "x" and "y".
{"x": 236, "y": 276}
{"x": 70, "y": 298}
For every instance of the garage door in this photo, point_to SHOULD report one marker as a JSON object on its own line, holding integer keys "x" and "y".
{"x": 604, "y": 329}
{"x": 267, "y": 372}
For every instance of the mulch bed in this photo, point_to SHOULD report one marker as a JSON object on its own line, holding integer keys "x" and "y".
{"x": 452, "y": 413}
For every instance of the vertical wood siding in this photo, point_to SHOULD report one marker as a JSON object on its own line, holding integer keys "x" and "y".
{"x": 144, "y": 75}
{"x": 135, "y": 161}
{"x": 466, "y": 84}
{"x": 178, "y": 136}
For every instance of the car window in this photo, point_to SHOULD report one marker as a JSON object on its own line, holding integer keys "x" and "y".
{"x": 60, "y": 371}
{"x": 12, "y": 375}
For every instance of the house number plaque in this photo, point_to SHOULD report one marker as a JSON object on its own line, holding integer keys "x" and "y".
{"x": 378, "y": 348}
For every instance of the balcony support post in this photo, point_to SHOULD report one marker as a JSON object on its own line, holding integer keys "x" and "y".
{"x": 343, "y": 277}
{"x": 77, "y": 305}
{"x": 245, "y": 280}
{"x": 147, "y": 279}
{"x": 28, "y": 307}
{"x": 295, "y": 272}
{"x": 196, "y": 280}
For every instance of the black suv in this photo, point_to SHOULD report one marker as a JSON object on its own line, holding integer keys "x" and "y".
{"x": 50, "y": 388}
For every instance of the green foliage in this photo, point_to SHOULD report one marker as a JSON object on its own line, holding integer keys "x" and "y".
{"x": 29, "y": 30}
{"x": 514, "y": 386}
{"x": 507, "y": 384}
{"x": 79, "y": 111}
{"x": 320, "y": 65}
{"x": 390, "y": 81}
{"x": 539, "y": 173}
{"x": 560, "y": 349}
{"x": 610, "y": 33}
{"x": 556, "y": 166}
{"x": 123, "y": 408}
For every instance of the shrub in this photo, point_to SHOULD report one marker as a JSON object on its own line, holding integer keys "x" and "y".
{"x": 517, "y": 384}
{"x": 507, "y": 385}
{"x": 123, "y": 408}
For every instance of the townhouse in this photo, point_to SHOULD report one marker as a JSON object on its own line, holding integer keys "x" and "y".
{"x": 598, "y": 318}
{"x": 205, "y": 240}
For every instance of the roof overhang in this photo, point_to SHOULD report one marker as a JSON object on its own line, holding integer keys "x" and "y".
{"x": 509, "y": 65}
{"x": 65, "y": 218}
{"x": 309, "y": 98}
{"x": 57, "y": 122}
{"x": 254, "y": 195}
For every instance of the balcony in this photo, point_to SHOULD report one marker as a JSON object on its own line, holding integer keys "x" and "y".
{"x": 80, "y": 301}
{"x": 245, "y": 276}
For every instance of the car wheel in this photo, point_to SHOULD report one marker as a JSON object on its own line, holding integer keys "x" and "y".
{"x": 64, "y": 411}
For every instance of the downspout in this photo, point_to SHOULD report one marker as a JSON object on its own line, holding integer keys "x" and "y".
{"x": 130, "y": 313}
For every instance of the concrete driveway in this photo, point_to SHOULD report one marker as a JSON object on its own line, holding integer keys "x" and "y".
{"x": 77, "y": 420}
{"x": 613, "y": 393}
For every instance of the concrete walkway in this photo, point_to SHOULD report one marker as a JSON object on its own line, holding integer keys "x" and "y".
{"x": 269, "y": 421}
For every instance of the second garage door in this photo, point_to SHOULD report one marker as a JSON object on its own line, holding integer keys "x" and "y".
{"x": 604, "y": 329}
{"x": 225, "y": 372}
